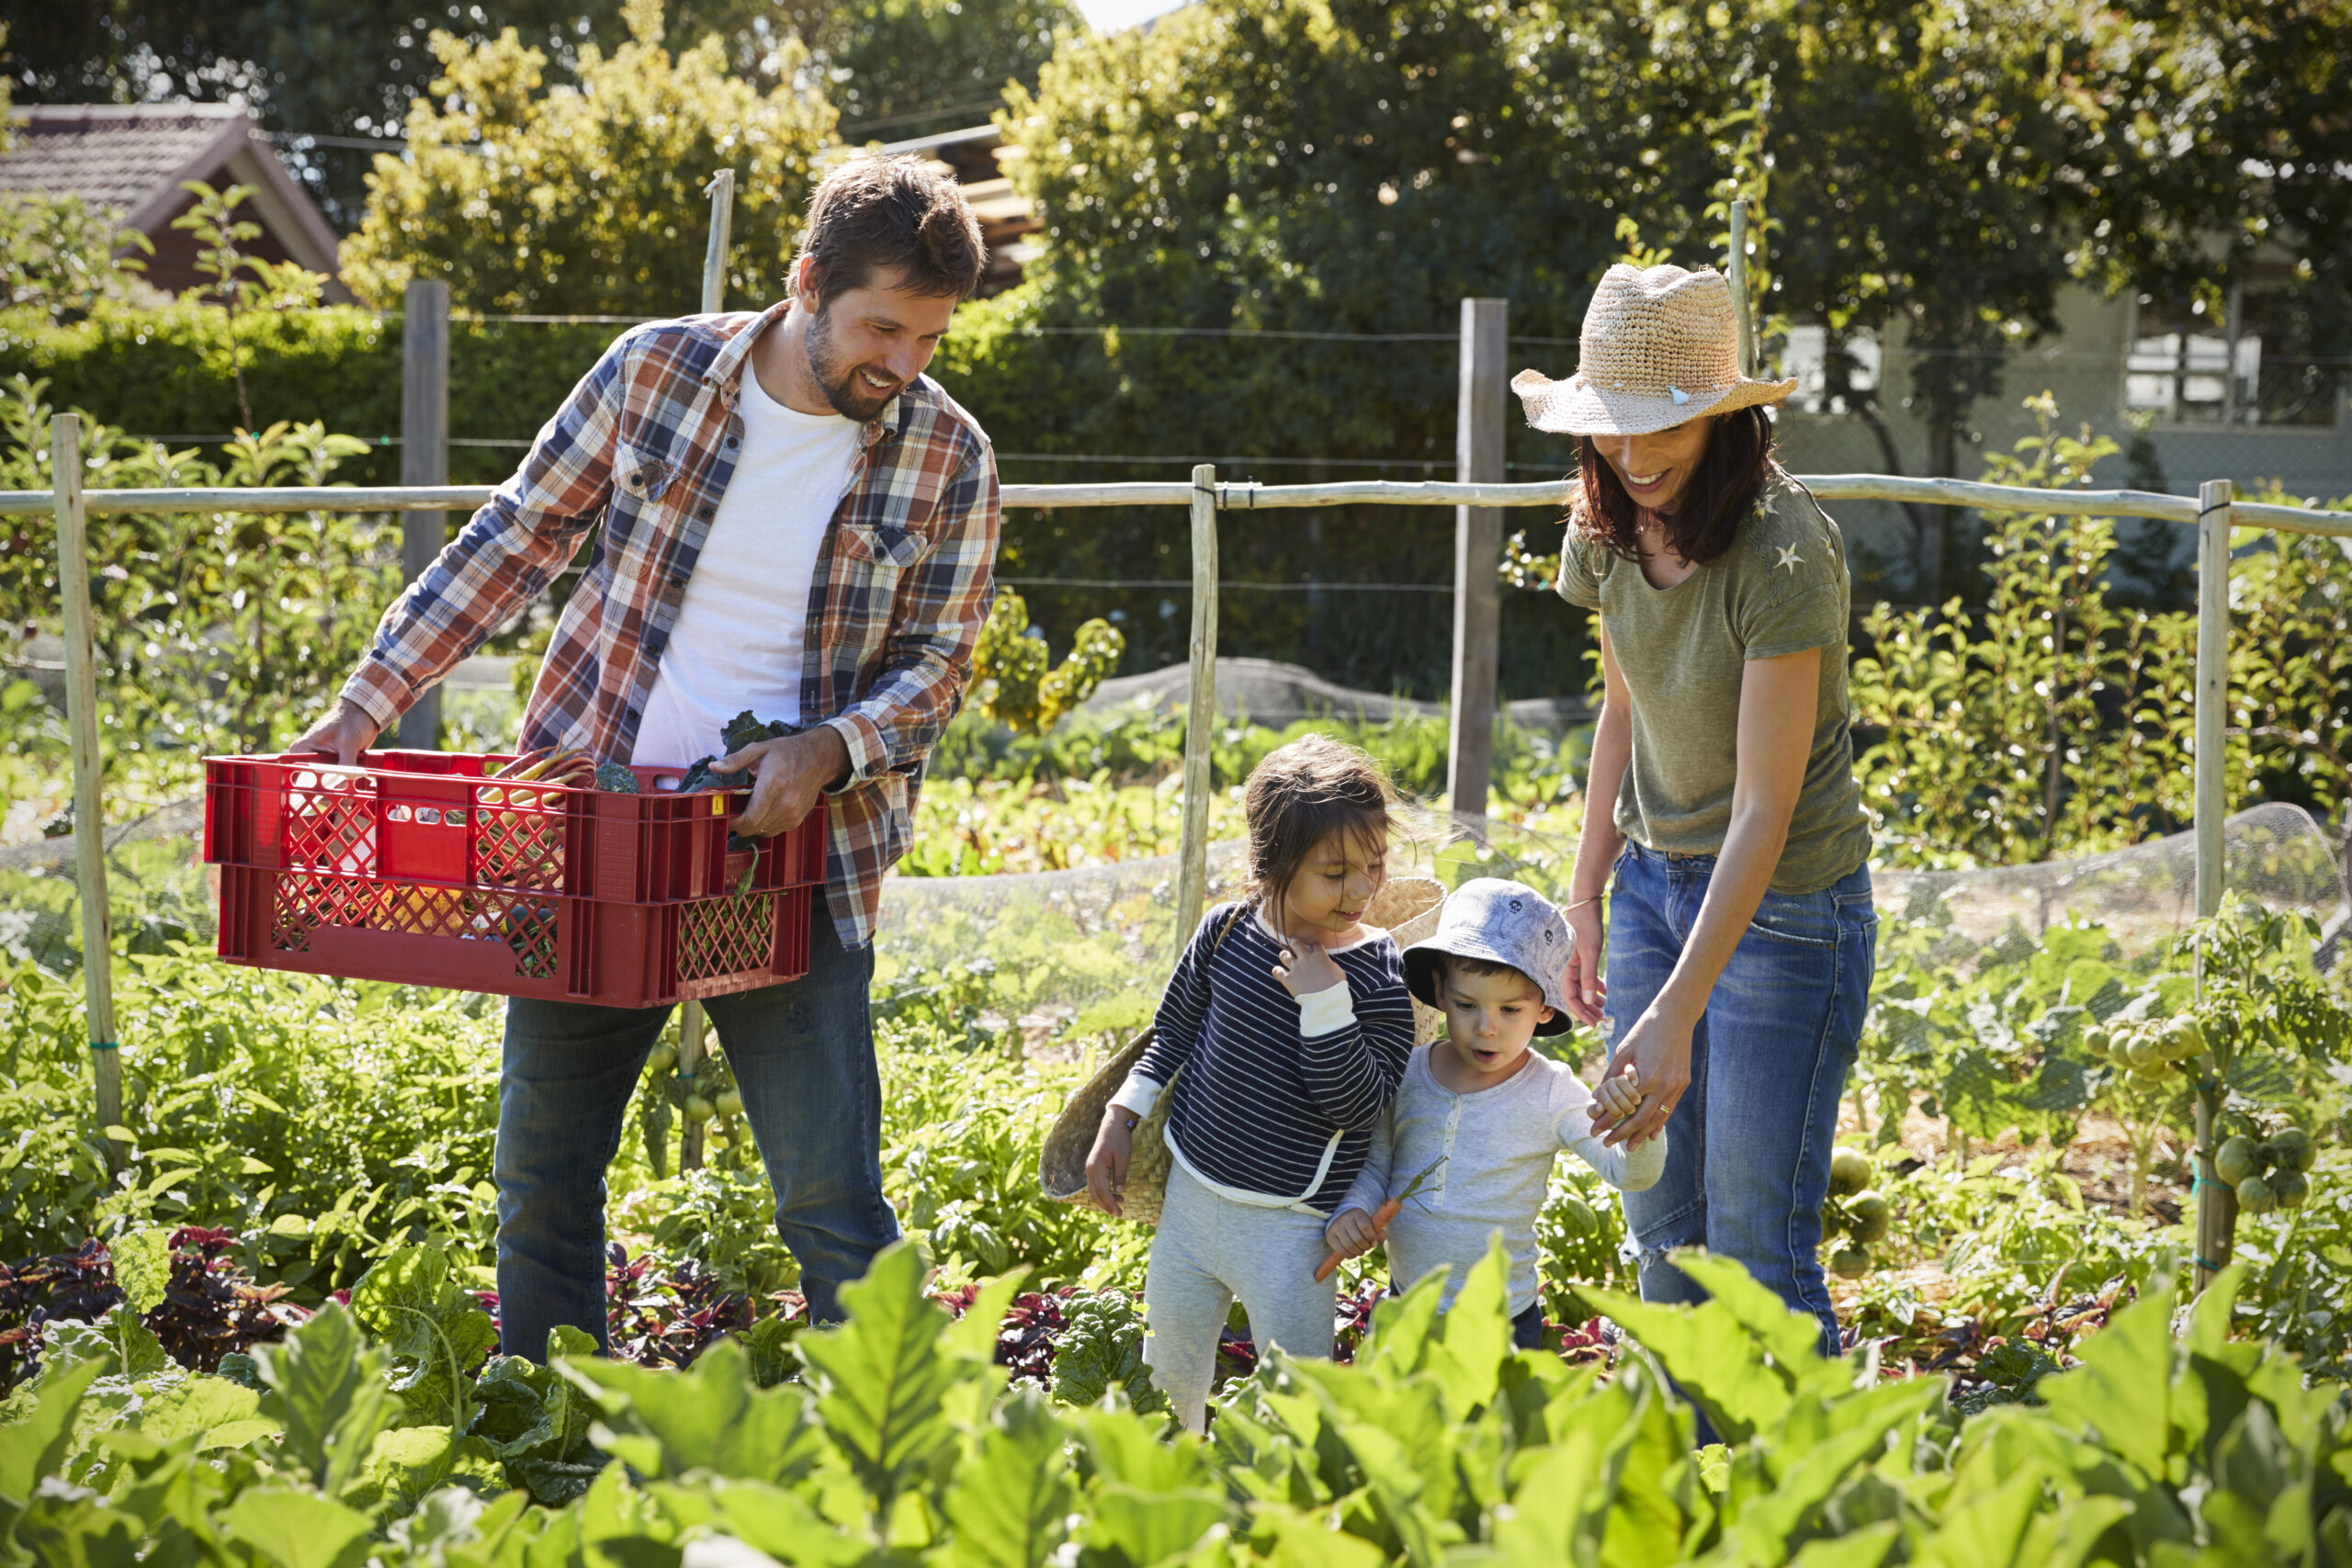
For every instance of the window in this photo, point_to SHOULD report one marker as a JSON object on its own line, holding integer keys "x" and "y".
{"x": 2187, "y": 367}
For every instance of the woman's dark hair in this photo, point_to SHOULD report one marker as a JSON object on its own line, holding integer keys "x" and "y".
{"x": 1300, "y": 796}
{"x": 876, "y": 213}
{"x": 1731, "y": 474}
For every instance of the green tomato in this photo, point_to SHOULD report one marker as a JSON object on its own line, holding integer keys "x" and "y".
{"x": 662, "y": 1059}
{"x": 1849, "y": 1171}
{"x": 2291, "y": 1187}
{"x": 2184, "y": 1038}
{"x": 698, "y": 1110}
{"x": 2256, "y": 1197}
{"x": 2097, "y": 1041}
{"x": 1849, "y": 1263}
{"x": 2235, "y": 1160}
{"x": 730, "y": 1103}
{"x": 2294, "y": 1147}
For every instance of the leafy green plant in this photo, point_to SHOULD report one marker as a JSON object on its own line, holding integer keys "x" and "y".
{"x": 1015, "y": 682}
{"x": 2048, "y": 722}
{"x": 1101, "y": 1348}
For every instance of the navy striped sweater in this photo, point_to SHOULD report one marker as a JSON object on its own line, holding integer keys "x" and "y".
{"x": 1259, "y": 1103}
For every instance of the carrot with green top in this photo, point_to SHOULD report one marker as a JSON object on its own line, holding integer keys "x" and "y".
{"x": 1381, "y": 1217}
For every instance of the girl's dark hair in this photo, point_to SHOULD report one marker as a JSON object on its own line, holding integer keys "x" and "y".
{"x": 1300, "y": 796}
{"x": 1731, "y": 474}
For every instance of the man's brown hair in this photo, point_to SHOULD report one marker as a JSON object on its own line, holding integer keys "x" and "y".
{"x": 875, "y": 214}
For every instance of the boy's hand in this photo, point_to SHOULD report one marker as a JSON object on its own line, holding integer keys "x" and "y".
{"x": 1306, "y": 968}
{"x": 1353, "y": 1232}
{"x": 1618, "y": 1097}
{"x": 1106, "y": 1166}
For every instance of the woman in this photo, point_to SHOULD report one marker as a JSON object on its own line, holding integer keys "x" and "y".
{"x": 1745, "y": 936}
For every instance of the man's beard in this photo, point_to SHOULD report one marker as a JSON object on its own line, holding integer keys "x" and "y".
{"x": 844, "y": 386}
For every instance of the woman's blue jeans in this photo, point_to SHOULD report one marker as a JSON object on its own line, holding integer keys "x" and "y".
{"x": 1747, "y": 1149}
{"x": 802, "y": 1052}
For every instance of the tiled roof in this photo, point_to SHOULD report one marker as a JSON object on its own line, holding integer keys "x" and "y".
{"x": 113, "y": 155}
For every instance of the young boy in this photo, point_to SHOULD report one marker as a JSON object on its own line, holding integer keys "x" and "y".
{"x": 1493, "y": 1110}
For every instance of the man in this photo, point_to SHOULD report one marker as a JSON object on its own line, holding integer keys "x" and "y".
{"x": 795, "y": 522}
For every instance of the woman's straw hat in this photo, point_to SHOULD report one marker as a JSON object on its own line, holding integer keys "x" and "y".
{"x": 1407, "y": 908}
{"x": 1659, "y": 346}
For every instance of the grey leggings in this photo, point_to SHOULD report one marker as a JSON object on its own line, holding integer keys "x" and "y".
{"x": 1210, "y": 1249}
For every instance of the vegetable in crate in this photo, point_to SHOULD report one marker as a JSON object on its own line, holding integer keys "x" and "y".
{"x": 615, "y": 779}
{"x": 743, "y": 730}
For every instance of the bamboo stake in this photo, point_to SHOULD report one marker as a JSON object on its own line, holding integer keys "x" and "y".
{"x": 1200, "y": 723}
{"x": 89, "y": 805}
{"x": 691, "y": 1037}
{"x": 2216, "y": 1205}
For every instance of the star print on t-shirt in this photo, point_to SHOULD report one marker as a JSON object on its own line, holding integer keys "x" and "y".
{"x": 1789, "y": 559}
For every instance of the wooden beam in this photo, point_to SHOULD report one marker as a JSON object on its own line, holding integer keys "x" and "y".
{"x": 1255, "y": 497}
{"x": 424, "y": 463}
{"x": 1482, "y": 391}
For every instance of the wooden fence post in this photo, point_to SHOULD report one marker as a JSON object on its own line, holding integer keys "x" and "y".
{"x": 89, "y": 802}
{"x": 425, "y": 460}
{"x": 1200, "y": 723}
{"x": 1477, "y": 553}
{"x": 693, "y": 1030}
{"x": 2217, "y": 1206}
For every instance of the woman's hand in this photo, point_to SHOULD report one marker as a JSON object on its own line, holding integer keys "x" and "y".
{"x": 1353, "y": 1232}
{"x": 1656, "y": 1053}
{"x": 1306, "y": 968}
{"x": 1106, "y": 1166}
{"x": 1586, "y": 992}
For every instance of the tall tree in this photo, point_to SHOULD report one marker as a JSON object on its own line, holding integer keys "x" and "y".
{"x": 350, "y": 68}
{"x": 587, "y": 197}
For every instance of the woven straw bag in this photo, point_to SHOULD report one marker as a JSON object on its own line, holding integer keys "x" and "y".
{"x": 1407, "y": 908}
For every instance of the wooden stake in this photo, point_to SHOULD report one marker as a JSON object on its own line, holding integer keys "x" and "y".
{"x": 1477, "y": 554}
{"x": 2217, "y": 1207}
{"x": 89, "y": 803}
{"x": 1742, "y": 311}
{"x": 424, "y": 462}
{"x": 721, "y": 191}
{"x": 691, "y": 1022}
{"x": 690, "y": 1058}
{"x": 1200, "y": 723}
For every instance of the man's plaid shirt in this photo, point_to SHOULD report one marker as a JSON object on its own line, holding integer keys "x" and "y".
{"x": 646, "y": 444}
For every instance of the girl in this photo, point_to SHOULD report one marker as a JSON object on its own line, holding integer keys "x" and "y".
{"x": 1741, "y": 960}
{"x": 1291, "y": 1023}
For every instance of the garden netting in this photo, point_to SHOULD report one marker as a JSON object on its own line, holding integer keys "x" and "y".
{"x": 1084, "y": 952}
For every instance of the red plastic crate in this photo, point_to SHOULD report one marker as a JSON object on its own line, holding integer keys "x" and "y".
{"x": 512, "y": 944}
{"x": 432, "y": 819}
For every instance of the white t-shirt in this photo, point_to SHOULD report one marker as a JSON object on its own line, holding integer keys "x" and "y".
{"x": 1497, "y": 1144}
{"x": 742, "y": 629}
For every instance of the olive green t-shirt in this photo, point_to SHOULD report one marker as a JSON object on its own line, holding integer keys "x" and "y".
{"x": 1782, "y": 588}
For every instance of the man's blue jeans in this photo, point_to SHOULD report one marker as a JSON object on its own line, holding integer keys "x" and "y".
{"x": 1747, "y": 1149}
{"x": 803, "y": 1056}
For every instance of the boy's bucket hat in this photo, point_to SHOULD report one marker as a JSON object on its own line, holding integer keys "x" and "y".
{"x": 1660, "y": 346}
{"x": 1502, "y": 922}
